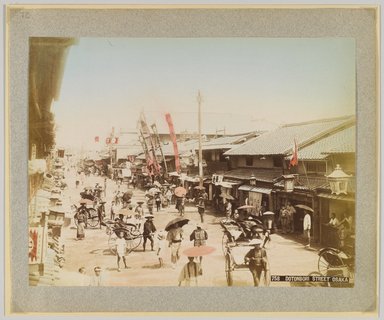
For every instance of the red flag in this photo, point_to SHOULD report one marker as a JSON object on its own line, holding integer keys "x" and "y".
{"x": 97, "y": 139}
{"x": 173, "y": 138}
{"x": 295, "y": 156}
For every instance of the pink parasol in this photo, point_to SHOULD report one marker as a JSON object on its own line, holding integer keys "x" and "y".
{"x": 180, "y": 191}
{"x": 198, "y": 251}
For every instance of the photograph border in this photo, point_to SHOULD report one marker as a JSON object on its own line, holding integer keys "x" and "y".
{"x": 24, "y": 21}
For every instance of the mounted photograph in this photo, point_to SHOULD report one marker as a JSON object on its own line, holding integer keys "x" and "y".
{"x": 154, "y": 148}
{"x": 144, "y": 149}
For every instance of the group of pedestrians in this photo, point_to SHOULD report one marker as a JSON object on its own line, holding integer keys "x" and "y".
{"x": 286, "y": 218}
{"x": 95, "y": 280}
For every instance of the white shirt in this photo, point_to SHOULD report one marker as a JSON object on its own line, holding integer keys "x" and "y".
{"x": 307, "y": 222}
{"x": 120, "y": 246}
{"x": 333, "y": 222}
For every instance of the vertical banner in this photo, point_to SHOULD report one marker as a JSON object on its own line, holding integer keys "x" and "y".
{"x": 173, "y": 138}
{"x": 153, "y": 167}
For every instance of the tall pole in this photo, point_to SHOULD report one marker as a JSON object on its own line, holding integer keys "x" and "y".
{"x": 199, "y": 101}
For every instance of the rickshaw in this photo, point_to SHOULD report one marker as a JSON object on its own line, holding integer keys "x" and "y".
{"x": 92, "y": 216}
{"x": 236, "y": 243}
{"x": 338, "y": 261}
{"x": 132, "y": 235}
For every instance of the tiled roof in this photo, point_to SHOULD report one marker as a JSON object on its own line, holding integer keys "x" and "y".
{"x": 228, "y": 142}
{"x": 227, "y": 139}
{"x": 218, "y": 147}
{"x": 280, "y": 141}
{"x": 265, "y": 175}
{"x": 307, "y": 183}
{"x": 183, "y": 147}
{"x": 343, "y": 141}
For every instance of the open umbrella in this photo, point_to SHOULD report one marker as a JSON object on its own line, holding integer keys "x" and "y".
{"x": 268, "y": 213}
{"x": 154, "y": 190}
{"x": 303, "y": 206}
{"x": 246, "y": 206}
{"x": 198, "y": 251}
{"x": 179, "y": 220}
{"x": 129, "y": 193}
{"x": 199, "y": 188}
{"x": 227, "y": 196}
{"x": 180, "y": 191}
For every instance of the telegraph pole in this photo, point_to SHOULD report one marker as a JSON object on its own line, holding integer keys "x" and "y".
{"x": 199, "y": 101}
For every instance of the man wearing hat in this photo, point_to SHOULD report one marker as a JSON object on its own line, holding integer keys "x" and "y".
{"x": 149, "y": 230}
{"x": 139, "y": 211}
{"x": 97, "y": 279}
{"x": 201, "y": 208}
{"x": 257, "y": 261}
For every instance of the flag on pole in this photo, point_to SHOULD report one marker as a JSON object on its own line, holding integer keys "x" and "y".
{"x": 168, "y": 118}
{"x": 295, "y": 156}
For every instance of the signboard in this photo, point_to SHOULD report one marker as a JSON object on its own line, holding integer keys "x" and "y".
{"x": 35, "y": 245}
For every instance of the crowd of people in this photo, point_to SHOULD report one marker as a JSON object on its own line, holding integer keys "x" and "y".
{"x": 123, "y": 211}
{"x": 159, "y": 198}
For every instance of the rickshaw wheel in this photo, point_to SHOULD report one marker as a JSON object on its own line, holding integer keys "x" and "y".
{"x": 228, "y": 270}
{"x": 224, "y": 242}
{"x": 93, "y": 218}
{"x": 328, "y": 259}
{"x": 112, "y": 243}
{"x": 133, "y": 240}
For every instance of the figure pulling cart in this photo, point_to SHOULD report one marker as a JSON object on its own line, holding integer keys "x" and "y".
{"x": 243, "y": 246}
{"x": 129, "y": 231}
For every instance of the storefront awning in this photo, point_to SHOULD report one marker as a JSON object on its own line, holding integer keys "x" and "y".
{"x": 228, "y": 185}
{"x": 245, "y": 188}
{"x": 340, "y": 197}
{"x": 261, "y": 190}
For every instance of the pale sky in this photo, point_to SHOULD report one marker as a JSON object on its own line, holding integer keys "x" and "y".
{"x": 246, "y": 83}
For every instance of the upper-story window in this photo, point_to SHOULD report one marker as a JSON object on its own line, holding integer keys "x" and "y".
{"x": 249, "y": 161}
{"x": 278, "y": 161}
{"x": 316, "y": 167}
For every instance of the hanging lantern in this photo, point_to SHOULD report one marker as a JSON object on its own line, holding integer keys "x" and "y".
{"x": 338, "y": 181}
{"x": 252, "y": 180}
{"x": 289, "y": 182}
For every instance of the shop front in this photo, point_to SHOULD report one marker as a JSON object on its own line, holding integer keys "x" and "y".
{"x": 258, "y": 197}
{"x": 299, "y": 197}
{"x": 340, "y": 205}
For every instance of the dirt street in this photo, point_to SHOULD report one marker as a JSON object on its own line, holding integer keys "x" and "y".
{"x": 286, "y": 255}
